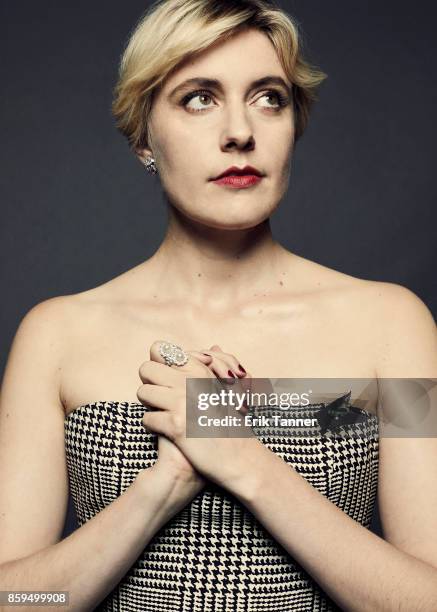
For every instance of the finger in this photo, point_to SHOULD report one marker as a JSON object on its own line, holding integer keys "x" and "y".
{"x": 192, "y": 366}
{"x": 243, "y": 389}
{"x": 159, "y": 373}
{"x": 164, "y": 376}
{"x": 230, "y": 363}
{"x": 158, "y": 422}
{"x": 166, "y": 424}
{"x": 159, "y": 347}
{"x": 230, "y": 359}
{"x": 246, "y": 383}
{"x": 220, "y": 369}
{"x": 157, "y": 396}
{"x": 203, "y": 357}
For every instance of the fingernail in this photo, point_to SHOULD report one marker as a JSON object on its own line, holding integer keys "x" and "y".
{"x": 241, "y": 368}
{"x": 232, "y": 377}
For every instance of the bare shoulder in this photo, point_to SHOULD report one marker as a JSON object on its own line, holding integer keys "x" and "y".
{"x": 45, "y": 319}
{"x": 382, "y": 301}
{"x": 391, "y": 321}
{"x": 55, "y": 313}
{"x": 42, "y": 335}
{"x": 360, "y": 296}
{"x": 408, "y": 334}
{"x": 396, "y": 321}
{"x": 50, "y": 323}
{"x": 121, "y": 290}
{"x": 83, "y": 314}
{"x": 389, "y": 309}
{"x": 72, "y": 308}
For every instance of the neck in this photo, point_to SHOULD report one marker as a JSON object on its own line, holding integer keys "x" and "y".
{"x": 216, "y": 268}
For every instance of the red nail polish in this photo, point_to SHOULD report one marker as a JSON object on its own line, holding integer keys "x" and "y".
{"x": 241, "y": 368}
{"x": 231, "y": 374}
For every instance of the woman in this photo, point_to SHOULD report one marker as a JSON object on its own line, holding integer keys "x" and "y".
{"x": 172, "y": 522}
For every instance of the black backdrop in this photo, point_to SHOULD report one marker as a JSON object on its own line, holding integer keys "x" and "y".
{"x": 78, "y": 209}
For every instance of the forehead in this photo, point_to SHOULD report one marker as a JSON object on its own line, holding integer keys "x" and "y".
{"x": 242, "y": 58}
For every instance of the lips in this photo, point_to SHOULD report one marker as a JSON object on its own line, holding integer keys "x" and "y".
{"x": 235, "y": 171}
{"x": 238, "y": 182}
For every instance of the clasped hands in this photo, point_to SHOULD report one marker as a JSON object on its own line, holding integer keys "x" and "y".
{"x": 222, "y": 460}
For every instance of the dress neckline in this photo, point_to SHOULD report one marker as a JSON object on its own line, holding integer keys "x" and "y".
{"x": 125, "y": 403}
{"x": 128, "y": 403}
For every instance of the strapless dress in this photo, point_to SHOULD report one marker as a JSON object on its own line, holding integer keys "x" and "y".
{"x": 214, "y": 555}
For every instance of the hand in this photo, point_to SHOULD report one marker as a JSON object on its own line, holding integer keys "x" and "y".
{"x": 171, "y": 461}
{"x": 164, "y": 388}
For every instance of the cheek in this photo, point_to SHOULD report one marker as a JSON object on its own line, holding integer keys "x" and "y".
{"x": 279, "y": 142}
{"x": 179, "y": 156}
{"x": 286, "y": 153}
{"x": 180, "y": 180}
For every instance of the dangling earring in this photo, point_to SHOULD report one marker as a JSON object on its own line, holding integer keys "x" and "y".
{"x": 149, "y": 162}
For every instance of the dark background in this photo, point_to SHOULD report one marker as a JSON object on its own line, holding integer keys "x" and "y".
{"x": 78, "y": 209}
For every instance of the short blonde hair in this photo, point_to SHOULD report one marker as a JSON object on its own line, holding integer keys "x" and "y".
{"x": 170, "y": 31}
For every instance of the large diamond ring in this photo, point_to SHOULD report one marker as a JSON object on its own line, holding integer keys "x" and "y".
{"x": 173, "y": 354}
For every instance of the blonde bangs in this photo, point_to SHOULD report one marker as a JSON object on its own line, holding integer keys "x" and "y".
{"x": 171, "y": 31}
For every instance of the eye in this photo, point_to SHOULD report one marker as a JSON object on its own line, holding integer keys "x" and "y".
{"x": 282, "y": 100}
{"x": 196, "y": 94}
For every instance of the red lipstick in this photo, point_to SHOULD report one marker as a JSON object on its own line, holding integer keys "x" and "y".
{"x": 239, "y": 178}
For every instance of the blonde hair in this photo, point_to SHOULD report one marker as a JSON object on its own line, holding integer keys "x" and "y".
{"x": 170, "y": 31}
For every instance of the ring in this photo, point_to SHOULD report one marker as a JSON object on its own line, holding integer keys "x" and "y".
{"x": 173, "y": 354}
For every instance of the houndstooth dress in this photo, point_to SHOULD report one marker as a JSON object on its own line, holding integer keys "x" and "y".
{"x": 214, "y": 556}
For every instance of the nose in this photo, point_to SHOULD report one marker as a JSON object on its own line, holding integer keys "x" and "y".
{"x": 237, "y": 128}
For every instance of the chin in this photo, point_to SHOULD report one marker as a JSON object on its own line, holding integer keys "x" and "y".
{"x": 241, "y": 221}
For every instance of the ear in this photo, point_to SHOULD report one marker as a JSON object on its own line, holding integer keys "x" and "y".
{"x": 142, "y": 153}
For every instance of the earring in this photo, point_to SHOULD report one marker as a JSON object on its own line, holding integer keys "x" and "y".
{"x": 149, "y": 162}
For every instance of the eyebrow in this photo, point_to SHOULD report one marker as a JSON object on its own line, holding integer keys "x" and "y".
{"x": 216, "y": 84}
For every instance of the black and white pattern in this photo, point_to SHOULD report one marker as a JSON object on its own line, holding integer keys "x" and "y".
{"x": 214, "y": 556}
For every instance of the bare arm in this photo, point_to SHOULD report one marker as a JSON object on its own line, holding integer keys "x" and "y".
{"x": 34, "y": 483}
{"x": 90, "y": 562}
{"x": 359, "y": 570}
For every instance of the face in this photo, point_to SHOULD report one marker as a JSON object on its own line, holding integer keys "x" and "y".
{"x": 198, "y": 130}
